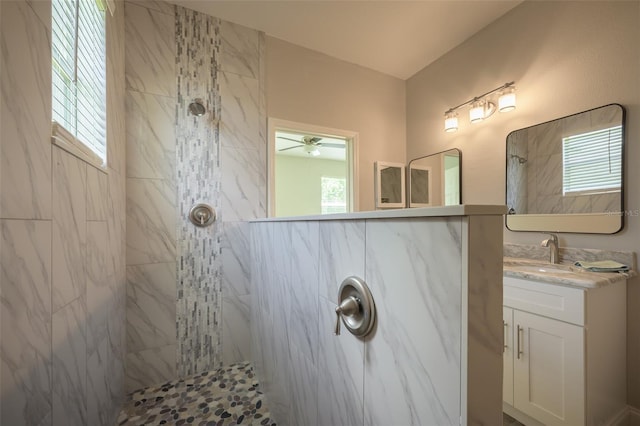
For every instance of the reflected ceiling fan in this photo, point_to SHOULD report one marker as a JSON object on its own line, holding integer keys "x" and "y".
{"x": 310, "y": 144}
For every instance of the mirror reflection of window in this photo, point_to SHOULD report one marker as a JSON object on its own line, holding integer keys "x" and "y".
{"x": 592, "y": 162}
{"x": 451, "y": 179}
{"x": 334, "y": 195}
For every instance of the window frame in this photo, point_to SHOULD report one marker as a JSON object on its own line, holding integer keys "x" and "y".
{"x": 63, "y": 137}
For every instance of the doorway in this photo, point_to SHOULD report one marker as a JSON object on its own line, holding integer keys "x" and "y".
{"x": 311, "y": 169}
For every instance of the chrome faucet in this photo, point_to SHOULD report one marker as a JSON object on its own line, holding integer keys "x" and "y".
{"x": 552, "y": 243}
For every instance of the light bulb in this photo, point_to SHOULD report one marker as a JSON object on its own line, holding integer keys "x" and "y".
{"x": 507, "y": 99}
{"x": 450, "y": 122}
{"x": 476, "y": 113}
{"x": 312, "y": 150}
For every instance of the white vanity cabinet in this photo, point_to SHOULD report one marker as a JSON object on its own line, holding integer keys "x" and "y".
{"x": 564, "y": 352}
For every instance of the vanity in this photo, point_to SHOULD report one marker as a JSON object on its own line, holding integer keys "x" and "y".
{"x": 564, "y": 354}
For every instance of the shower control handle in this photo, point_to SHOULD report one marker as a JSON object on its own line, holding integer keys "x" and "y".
{"x": 202, "y": 215}
{"x": 356, "y": 309}
{"x": 348, "y": 307}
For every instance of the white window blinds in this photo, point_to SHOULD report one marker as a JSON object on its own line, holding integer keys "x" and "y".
{"x": 592, "y": 162}
{"x": 79, "y": 71}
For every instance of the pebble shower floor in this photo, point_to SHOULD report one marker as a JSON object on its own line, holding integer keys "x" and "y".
{"x": 228, "y": 396}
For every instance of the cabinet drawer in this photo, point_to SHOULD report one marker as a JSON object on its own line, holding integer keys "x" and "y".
{"x": 549, "y": 300}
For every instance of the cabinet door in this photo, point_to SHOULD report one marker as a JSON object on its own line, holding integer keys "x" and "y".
{"x": 549, "y": 369}
{"x": 507, "y": 355}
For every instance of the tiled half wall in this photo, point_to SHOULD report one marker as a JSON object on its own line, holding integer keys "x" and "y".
{"x": 188, "y": 288}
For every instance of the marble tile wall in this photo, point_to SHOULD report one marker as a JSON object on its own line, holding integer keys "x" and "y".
{"x": 62, "y": 281}
{"x": 174, "y": 160}
{"x": 416, "y": 367}
{"x": 152, "y": 219}
{"x": 544, "y": 166}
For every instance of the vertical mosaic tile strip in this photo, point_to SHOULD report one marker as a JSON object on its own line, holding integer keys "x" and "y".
{"x": 199, "y": 297}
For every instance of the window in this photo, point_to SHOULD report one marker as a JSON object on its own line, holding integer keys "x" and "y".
{"x": 592, "y": 162}
{"x": 79, "y": 76}
{"x": 334, "y": 195}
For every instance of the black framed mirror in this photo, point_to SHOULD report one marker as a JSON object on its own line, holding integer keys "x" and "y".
{"x": 567, "y": 175}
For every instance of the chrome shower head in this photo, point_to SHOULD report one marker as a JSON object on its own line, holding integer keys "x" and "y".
{"x": 197, "y": 108}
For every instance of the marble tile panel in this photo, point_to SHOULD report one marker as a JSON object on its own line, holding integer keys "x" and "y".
{"x": 574, "y": 125}
{"x": 240, "y": 114}
{"x": 97, "y": 194}
{"x": 576, "y": 204}
{"x": 151, "y": 140}
{"x": 150, "y": 50}
{"x": 259, "y": 329}
{"x": 25, "y": 347}
{"x": 341, "y": 367}
{"x": 236, "y": 259}
{"x": 260, "y": 319}
{"x": 262, "y": 81}
{"x": 116, "y": 87}
{"x": 151, "y": 306}
{"x": 236, "y": 329}
{"x": 99, "y": 411}
{"x": 160, "y": 6}
{"x": 483, "y": 239}
{"x": 549, "y": 204}
{"x": 151, "y": 221}
{"x": 240, "y": 50}
{"x": 549, "y": 175}
{"x": 418, "y": 310}
{"x": 303, "y": 287}
{"x": 69, "y": 228}
{"x": 116, "y": 225}
{"x": 610, "y": 202}
{"x": 546, "y": 137}
{"x": 69, "y": 346}
{"x": 303, "y": 388}
{"x": 149, "y": 367}
{"x": 25, "y": 112}
{"x": 270, "y": 327}
{"x": 610, "y": 115}
{"x": 341, "y": 254}
{"x": 242, "y": 182}
{"x": 280, "y": 280}
{"x": 43, "y": 10}
{"x": 98, "y": 292}
{"x": 116, "y": 369}
{"x": 276, "y": 380}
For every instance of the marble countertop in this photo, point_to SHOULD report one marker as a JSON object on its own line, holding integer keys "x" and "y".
{"x": 457, "y": 210}
{"x": 563, "y": 274}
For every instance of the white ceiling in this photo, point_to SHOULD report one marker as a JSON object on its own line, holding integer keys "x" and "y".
{"x": 395, "y": 37}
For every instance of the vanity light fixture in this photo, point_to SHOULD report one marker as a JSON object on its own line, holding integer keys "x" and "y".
{"x": 483, "y": 106}
{"x": 451, "y": 121}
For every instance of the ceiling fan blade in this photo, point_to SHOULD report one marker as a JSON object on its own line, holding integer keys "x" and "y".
{"x": 291, "y": 147}
{"x": 314, "y": 140}
{"x": 332, "y": 145}
{"x": 289, "y": 139}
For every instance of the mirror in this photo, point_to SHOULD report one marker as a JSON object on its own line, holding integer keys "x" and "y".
{"x": 389, "y": 185}
{"x": 566, "y": 175}
{"x": 435, "y": 180}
